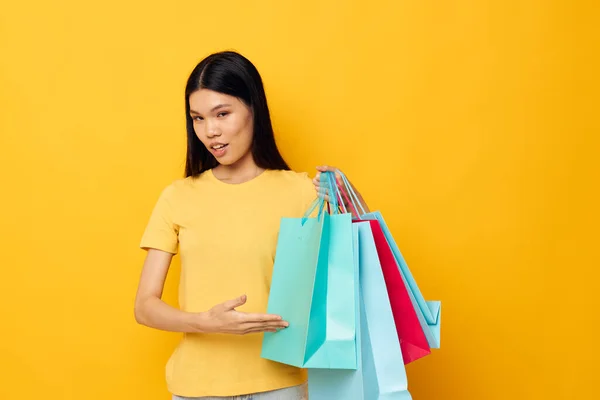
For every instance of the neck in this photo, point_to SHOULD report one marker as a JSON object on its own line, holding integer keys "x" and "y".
{"x": 242, "y": 171}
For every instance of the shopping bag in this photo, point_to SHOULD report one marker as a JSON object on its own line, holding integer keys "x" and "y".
{"x": 428, "y": 312}
{"x": 312, "y": 288}
{"x": 413, "y": 343}
{"x": 380, "y": 372}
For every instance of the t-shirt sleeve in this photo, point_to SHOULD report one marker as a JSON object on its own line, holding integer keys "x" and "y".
{"x": 161, "y": 232}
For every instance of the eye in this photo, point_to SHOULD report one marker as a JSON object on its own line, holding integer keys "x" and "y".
{"x": 197, "y": 118}
{"x": 222, "y": 114}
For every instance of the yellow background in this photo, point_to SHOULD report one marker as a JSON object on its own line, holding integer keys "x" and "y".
{"x": 472, "y": 125}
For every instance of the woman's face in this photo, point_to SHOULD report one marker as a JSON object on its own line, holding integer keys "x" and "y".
{"x": 223, "y": 123}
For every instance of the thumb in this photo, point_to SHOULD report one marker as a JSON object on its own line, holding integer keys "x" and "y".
{"x": 239, "y": 301}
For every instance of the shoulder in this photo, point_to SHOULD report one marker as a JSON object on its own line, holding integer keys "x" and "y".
{"x": 296, "y": 187}
{"x": 175, "y": 187}
{"x": 291, "y": 177}
{"x": 296, "y": 182}
{"x": 180, "y": 188}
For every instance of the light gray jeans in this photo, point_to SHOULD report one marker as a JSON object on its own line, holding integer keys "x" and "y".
{"x": 292, "y": 393}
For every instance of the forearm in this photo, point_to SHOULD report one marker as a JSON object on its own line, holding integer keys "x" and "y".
{"x": 363, "y": 203}
{"x": 155, "y": 313}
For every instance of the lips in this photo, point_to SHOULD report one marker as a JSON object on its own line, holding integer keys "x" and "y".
{"x": 219, "y": 149}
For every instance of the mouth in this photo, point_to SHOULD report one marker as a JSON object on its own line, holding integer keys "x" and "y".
{"x": 219, "y": 149}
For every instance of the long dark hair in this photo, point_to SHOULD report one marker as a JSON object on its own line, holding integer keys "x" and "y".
{"x": 232, "y": 74}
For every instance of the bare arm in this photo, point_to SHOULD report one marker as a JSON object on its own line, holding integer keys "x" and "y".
{"x": 151, "y": 311}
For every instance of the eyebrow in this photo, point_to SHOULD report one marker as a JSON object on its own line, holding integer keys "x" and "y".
{"x": 215, "y": 108}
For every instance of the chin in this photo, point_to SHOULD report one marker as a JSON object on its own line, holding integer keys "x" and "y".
{"x": 227, "y": 161}
{"x": 231, "y": 159}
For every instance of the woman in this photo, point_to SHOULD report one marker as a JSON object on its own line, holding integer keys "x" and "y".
{"x": 223, "y": 219}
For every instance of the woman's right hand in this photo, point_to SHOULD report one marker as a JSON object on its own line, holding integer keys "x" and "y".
{"x": 224, "y": 318}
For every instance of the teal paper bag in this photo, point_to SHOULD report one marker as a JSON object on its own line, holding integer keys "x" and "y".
{"x": 380, "y": 372}
{"x": 428, "y": 312}
{"x": 312, "y": 288}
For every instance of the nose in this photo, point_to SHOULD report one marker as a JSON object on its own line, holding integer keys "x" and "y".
{"x": 212, "y": 128}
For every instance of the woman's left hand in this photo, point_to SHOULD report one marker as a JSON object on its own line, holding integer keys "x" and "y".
{"x": 322, "y": 191}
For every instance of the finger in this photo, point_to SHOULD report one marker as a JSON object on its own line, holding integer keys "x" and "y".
{"x": 322, "y": 194}
{"x": 318, "y": 183}
{"x": 254, "y": 317}
{"x": 258, "y": 330}
{"x": 325, "y": 168}
{"x": 266, "y": 325}
{"x": 318, "y": 179}
{"x": 338, "y": 177}
{"x": 232, "y": 304}
{"x": 262, "y": 328}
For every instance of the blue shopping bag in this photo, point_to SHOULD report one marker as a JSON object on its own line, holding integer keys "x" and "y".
{"x": 312, "y": 288}
{"x": 380, "y": 372}
{"x": 428, "y": 312}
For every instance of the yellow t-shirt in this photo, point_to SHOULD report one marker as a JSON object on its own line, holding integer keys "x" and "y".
{"x": 226, "y": 236}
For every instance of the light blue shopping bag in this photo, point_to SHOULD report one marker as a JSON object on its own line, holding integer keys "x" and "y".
{"x": 428, "y": 312}
{"x": 312, "y": 288}
{"x": 380, "y": 372}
